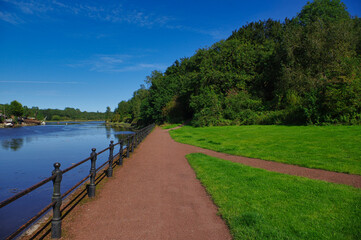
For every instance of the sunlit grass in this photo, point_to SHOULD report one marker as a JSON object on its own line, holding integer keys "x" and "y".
{"x": 169, "y": 126}
{"x": 258, "y": 204}
{"x": 334, "y": 148}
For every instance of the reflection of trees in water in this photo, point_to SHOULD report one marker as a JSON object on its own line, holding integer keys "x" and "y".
{"x": 108, "y": 131}
{"x": 121, "y": 136}
{"x": 13, "y": 144}
{"x": 115, "y": 130}
{"x": 29, "y": 139}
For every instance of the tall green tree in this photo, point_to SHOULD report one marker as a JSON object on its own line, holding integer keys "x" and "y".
{"x": 108, "y": 113}
{"x": 16, "y": 108}
{"x": 328, "y": 11}
{"x": 319, "y": 65}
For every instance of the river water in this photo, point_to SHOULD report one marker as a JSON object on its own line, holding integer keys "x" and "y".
{"x": 27, "y": 155}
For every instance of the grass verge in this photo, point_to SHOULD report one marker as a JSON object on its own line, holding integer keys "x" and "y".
{"x": 333, "y": 148}
{"x": 258, "y": 204}
{"x": 169, "y": 126}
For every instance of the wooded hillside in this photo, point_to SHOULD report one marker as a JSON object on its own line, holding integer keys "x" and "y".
{"x": 304, "y": 70}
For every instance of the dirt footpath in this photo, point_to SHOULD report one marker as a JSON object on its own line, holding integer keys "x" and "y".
{"x": 156, "y": 195}
{"x": 318, "y": 174}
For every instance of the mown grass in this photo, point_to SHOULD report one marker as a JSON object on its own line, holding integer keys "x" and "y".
{"x": 258, "y": 204}
{"x": 169, "y": 126}
{"x": 333, "y": 148}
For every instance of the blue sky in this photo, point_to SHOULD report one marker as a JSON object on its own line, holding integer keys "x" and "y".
{"x": 94, "y": 54}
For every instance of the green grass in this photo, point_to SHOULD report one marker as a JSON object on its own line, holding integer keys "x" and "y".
{"x": 333, "y": 148}
{"x": 169, "y": 126}
{"x": 258, "y": 204}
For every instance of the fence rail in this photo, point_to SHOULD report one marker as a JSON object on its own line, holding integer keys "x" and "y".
{"x": 126, "y": 146}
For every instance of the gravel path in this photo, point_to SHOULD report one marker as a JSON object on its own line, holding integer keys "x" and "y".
{"x": 156, "y": 195}
{"x": 318, "y": 174}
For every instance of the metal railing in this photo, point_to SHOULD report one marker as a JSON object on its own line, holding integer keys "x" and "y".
{"x": 126, "y": 146}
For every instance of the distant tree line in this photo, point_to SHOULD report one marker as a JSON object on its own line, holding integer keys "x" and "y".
{"x": 16, "y": 109}
{"x": 304, "y": 70}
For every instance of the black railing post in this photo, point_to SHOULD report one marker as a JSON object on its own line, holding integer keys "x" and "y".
{"x": 120, "y": 162}
{"x": 91, "y": 186}
{"x": 110, "y": 168}
{"x": 128, "y": 144}
{"x": 56, "y": 221}
{"x": 136, "y": 139}
{"x": 133, "y": 137}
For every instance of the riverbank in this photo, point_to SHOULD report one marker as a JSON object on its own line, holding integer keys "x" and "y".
{"x": 119, "y": 124}
{"x": 160, "y": 196}
{"x": 2, "y": 125}
{"x": 70, "y": 120}
{"x": 163, "y": 179}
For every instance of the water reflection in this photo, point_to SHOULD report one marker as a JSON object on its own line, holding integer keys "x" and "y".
{"x": 118, "y": 132}
{"x": 12, "y": 144}
{"x": 108, "y": 131}
{"x": 14, "y": 141}
{"x": 27, "y": 155}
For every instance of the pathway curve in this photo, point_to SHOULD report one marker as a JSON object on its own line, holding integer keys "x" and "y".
{"x": 156, "y": 195}
{"x": 319, "y": 174}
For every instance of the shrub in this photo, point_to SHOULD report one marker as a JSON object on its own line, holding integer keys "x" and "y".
{"x": 207, "y": 108}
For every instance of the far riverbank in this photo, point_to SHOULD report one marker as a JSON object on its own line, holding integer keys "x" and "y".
{"x": 70, "y": 120}
{"x": 119, "y": 124}
{"x": 2, "y": 125}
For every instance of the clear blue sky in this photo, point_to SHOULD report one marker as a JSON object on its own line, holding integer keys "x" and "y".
{"x": 93, "y": 54}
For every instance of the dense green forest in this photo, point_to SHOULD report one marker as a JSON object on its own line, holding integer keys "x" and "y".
{"x": 304, "y": 70}
{"x": 16, "y": 109}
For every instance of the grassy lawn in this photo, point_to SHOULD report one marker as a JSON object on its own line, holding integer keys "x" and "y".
{"x": 169, "y": 126}
{"x": 258, "y": 204}
{"x": 334, "y": 148}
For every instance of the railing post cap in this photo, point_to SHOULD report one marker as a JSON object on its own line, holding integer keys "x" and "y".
{"x": 111, "y": 142}
{"x": 94, "y": 149}
{"x": 57, "y": 165}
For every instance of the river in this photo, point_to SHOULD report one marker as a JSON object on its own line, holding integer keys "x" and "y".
{"x": 27, "y": 155}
